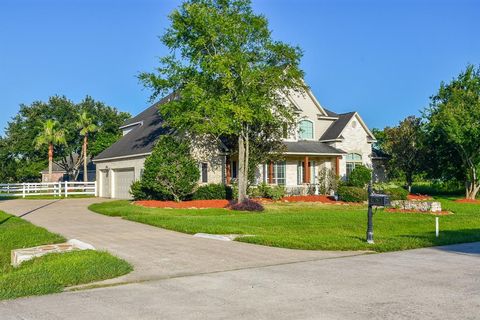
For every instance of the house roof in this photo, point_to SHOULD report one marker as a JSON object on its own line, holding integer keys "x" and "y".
{"x": 336, "y": 128}
{"x": 149, "y": 112}
{"x": 142, "y": 138}
{"x": 331, "y": 113}
{"x": 311, "y": 147}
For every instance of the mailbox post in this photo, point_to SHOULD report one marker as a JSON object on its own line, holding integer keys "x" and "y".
{"x": 378, "y": 200}
{"x": 370, "y": 215}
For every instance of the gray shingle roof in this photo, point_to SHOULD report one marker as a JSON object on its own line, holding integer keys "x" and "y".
{"x": 142, "y": 138}
{"x": 331, "y": 113}
{"x": 311, "y": 147}
{"x": 335, "y": 130}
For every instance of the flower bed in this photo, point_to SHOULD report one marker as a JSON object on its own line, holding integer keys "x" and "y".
{"x": 418, "y": 197}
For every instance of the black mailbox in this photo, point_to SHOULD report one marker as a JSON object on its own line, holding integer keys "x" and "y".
{"x": 379, "y": 200}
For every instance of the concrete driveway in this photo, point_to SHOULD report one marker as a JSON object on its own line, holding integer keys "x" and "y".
{"x": 434, "y": 283}
{"x": 154, "y": 252}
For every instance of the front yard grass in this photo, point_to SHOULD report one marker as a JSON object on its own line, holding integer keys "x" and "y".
{"x": 313, "y": 226}
{"x": 50, "y": 273}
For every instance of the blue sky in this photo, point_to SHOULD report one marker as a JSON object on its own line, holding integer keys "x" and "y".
{"x": 381, "y": 58}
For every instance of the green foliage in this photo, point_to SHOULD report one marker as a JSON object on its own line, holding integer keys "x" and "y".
{"x": 170, "y": 171}
{"x": 352, "y": 194}
{"x": 212, "y": 192}
{"x": 329, "y": 181}
{"x": 267, "y": 191}
{"x": 51, "y": 134}
{"x": 360, "y": 176}
{"x": 395, "y": 192}
{"x": 405, "y": 146}
{"x": 18, "y": 150}
{"x": 454, "y": 130}
{"x": 51, "y": 273}
{"x": 138, "y": 193}
{"x": 438, "y": 188}
{"x": 230, "y": 78}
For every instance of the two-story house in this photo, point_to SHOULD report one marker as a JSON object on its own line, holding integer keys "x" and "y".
{"x": 321, "y": 139}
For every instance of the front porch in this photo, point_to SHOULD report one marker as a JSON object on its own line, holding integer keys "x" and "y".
{"x": 299, "y": 174}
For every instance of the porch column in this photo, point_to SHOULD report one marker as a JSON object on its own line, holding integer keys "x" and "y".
{"x": 337, "y": 166}
{"x": 270, "y": 172}
{"x": 228, "y": 170}
{"x": 306, "y": 171}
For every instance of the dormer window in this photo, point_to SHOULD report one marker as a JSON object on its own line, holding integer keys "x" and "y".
{"x": 305, "y": 130}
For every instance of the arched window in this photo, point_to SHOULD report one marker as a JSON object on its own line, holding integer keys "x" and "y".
{"x": 305, "y": 130}
{"x": 353, "y": 159}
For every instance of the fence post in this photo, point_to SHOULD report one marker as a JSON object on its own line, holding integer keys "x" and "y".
{"x": 23, "y": 190}
{"x": 95, "y": 189}
{"x": 66, "y": 189}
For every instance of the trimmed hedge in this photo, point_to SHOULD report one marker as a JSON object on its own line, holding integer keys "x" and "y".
{"x": 213, "y": 192}
{"x": 352, "y": 194}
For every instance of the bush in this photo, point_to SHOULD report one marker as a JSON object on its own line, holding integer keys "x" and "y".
{"x": 137, "y": 192}
{"x": 439, "y": 188}
{"x": 328, "y": 181}
{"x": 213, "y": 192}
{"x": 352, "y": 194}
{"x": 360, "y": 176}
{"x": 248, "y": 205}
{"x": 267, "y": 191}
{"x": 170, "y": 172}
{"x": 395, "y": 192}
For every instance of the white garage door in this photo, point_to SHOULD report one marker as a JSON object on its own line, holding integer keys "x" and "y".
{"x": 123, "y": 181}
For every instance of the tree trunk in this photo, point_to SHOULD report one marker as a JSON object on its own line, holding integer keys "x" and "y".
{"x": 85, "y": 160}
{"x": 472, "y": 186}
{"x": 242, "y": 170}
{"x": 50, "y": 161}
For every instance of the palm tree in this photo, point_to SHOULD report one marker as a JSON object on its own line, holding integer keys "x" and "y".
{"x": 50, "y": 136}
{"x": 86, "y": 126}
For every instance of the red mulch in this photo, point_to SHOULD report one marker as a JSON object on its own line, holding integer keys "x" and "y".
{"x": 312, "y": 198}
{"x": 468, "y": 201}
{"x": 205, "y": 204}
{"x": 441, "y": 213}
{"x": 419, "y": 197}
{"x": 194, "y": 204}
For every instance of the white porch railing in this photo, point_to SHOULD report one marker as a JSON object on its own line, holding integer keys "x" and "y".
{"x": 56, "y": 189}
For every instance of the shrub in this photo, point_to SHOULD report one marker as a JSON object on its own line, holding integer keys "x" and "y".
{"x": 434, "y": 188}
{"x": 213, "y": 192}
{"x": 137, "y": 192}
{"x": 395, "y": 192}
{"x": 360, "y": 176}
{"x": 328, "y": 181}
{"x": 352, "y": 194}
{"x": 170, "y": 171}
{"x": 267, "y": 191}
{"x": 248, "y": 205}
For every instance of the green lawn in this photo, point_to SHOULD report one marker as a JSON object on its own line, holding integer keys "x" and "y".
{"x": 313, "y": 226}
{"x": 50, "y": 273}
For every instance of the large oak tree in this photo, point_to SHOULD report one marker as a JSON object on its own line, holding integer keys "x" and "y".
{"x": 230, "y": 76}
{"x": 454, "y": 129}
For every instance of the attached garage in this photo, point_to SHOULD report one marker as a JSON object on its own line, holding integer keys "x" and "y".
{"x": 122, "y": 181}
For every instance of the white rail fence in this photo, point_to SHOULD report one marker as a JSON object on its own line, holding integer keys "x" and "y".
{"x": 56, "y": 189}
